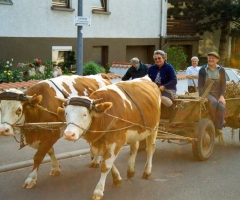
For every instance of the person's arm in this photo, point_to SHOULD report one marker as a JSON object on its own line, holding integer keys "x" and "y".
{"x": 201, "y": 80}
{"x": 223, "y": 83}
{"x": 172, "y": 78}
{"x": 189, "y": 74}
{"x": 127, "y": 76}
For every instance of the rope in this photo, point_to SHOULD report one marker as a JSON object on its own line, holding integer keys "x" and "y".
{"x": 45, "y": 109}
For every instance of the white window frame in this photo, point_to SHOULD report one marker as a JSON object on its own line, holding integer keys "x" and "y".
{"x": 103, "y": 8}
{"x": 64, "y": 4}
{"x": 56, "y": 49}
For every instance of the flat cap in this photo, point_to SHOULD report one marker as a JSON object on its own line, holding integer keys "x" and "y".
{"x": 214, "y": 54}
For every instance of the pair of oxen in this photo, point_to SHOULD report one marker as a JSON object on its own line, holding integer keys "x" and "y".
{"x": 106, "y": 115}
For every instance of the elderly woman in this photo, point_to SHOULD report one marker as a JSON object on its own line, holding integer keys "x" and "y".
{"x": 192, "y": 75}
{"x": 137, "y": 70}
{"x": 163, "y": 74}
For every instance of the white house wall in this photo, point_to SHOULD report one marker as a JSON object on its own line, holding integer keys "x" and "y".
{"x": 128, "y": 19}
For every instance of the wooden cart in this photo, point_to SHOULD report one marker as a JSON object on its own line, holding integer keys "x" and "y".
{"x": 190, "y": 121}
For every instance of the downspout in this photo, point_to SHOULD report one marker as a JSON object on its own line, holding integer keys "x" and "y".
{"x": 163, "y": 24}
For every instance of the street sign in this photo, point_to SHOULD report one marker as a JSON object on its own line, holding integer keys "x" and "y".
{"x": 82, "y": 21}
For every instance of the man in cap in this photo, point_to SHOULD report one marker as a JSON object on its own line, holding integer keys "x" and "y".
{"x": 216, "y": 101}
{"x": 137, "y": 70}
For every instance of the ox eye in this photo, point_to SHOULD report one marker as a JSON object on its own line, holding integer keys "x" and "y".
{"x": 18, "y": 111}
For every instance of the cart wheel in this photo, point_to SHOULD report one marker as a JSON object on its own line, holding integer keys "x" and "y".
{"x": 205, "y": 133}
{"x": 239, "y": 134}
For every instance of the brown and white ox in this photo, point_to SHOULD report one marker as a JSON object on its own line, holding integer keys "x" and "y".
{"x": 38, "y": 104}
{"x": 115, "y": 115}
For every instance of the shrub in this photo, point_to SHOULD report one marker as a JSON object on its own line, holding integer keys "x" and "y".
{"x": 177, "y": 58}
{"x": 92, "y": 68}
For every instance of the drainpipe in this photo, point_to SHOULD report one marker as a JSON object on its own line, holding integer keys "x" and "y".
{"x": 163, "y": 23}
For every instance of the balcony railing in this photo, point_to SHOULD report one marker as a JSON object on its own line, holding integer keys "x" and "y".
{"x": 181, "y": 27}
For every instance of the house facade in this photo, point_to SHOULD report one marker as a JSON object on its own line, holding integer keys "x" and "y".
{"x": 45, "y": 29}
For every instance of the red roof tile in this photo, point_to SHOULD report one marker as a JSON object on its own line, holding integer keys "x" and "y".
{"x": 28, "y": 84}
{"x": 18, "y": 85}
{"x": 123, "y": 65}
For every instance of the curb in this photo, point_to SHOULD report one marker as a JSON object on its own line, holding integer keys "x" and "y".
{"x": 27, "y": 163}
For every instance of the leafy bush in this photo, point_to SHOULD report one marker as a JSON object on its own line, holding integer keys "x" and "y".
{"x": 92, "y": 68}
{"x": 107, "y": 68}
{"x": 177, "y": 58}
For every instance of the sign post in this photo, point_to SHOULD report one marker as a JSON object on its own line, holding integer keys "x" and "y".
{"x": 79, "y": 22}
{"x": 79, "y": 42}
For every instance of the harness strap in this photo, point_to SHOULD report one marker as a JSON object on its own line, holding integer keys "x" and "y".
{"x": 139, "y": 109}
{"x": 58, "y": 89}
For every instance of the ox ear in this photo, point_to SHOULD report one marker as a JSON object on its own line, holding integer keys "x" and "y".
{"x": 103, "y": 107}
{"x": 60, "y": 113}
{"x": 36, "y": 99}
{"x": 104, "y": 76}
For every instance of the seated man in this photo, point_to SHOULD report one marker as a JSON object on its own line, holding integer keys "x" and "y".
{"x": 215, "y": 98}
{"x": 163, "y": 74}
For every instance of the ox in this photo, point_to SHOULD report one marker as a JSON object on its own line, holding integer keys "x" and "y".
{"x": 112, "y": 116}
{"x": 38, "y": 104}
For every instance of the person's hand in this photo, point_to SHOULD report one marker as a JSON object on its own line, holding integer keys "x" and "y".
{"x": 222, "y": 100}
{"x": 162, "y": 88}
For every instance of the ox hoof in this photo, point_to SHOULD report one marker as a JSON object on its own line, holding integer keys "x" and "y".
{"x": 94, "y": 165}
{"x": 96, "y": 197}
{"x": 117, "y": 183}
{"x": 29, "y": 185}
{"x": 55, "y": 173}
{"x": 146, "y": 176}
{"x": 130, "y": 174}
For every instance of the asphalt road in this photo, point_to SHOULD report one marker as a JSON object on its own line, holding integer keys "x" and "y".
{"x": 176, "y": 175}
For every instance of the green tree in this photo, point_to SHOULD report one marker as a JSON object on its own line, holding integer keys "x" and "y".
{"x": 177, "y": 58}
{"x": 210, "y": 16}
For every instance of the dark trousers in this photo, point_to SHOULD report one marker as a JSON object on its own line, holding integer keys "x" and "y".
{"x": 217, "y": 111}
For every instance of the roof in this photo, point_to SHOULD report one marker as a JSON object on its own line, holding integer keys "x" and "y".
{"x": 27, "y": 84}
{"x": 117, "y": 64}
{"x": 18, "y": 85}
{"x": 24, "y": 85}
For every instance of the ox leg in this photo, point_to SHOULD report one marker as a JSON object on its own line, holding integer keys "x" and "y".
{"x": 95, "y": 159}
{"x": 55, "y": 171}
{"x": 131, "y": 160}
{"x": 45, "y": 146}
{"x": 151, "y": 144}
{"x": 117, "y": 179}
{"x": 106, "y": 166}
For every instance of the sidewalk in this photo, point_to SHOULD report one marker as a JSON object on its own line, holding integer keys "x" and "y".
{"x": 12, "y": 158}
{"x": 27, "y": 163}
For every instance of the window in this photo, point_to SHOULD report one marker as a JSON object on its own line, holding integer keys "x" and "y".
{"x": 60, "y": 53}
{"x": 6, "y": 1}
{"x": 100, "y": 5}
{"x": 60, "y": 3}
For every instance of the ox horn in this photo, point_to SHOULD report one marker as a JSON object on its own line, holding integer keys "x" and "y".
{"x": 30, "y": 97}
{"x": 97, "y": 100}
{"x": 61, "y": 99}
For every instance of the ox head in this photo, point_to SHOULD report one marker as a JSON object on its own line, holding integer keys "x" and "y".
{"x": 12, "y": 105}
{"x": 78, "y": 113}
